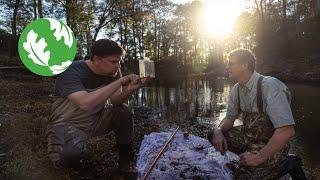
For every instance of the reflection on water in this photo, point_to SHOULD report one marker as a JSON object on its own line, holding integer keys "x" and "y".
{"x": 205, "y": 102}
{"x": 188, "y": 100}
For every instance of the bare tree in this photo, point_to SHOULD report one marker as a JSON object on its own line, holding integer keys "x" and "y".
{"x": 13, "y": 42}
{"x": 40, "y": 9}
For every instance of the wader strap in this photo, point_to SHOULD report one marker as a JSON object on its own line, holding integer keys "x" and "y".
{"x": 259, "y": 95}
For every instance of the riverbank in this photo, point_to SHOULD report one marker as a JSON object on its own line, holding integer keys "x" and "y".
{"x": 304, "y": 68}
{"x": 298, "y": 69}
{"x": 24, "y": 111}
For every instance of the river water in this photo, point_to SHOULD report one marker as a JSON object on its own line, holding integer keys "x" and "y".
{"x": 204, "y": 102}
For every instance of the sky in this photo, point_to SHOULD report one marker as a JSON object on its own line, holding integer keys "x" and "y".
{"x": 247, "y": 4}
{"x": 2, "y": 15}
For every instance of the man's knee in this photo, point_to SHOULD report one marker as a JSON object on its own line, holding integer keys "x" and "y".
{"x": 126, "y": 110}
{"x": 123, "y": 125}
{"x": 125, "y": 114}
{"x": 70, "y": 157}
{"x": 67, "y": 146}
{"x": 73, "y": 157}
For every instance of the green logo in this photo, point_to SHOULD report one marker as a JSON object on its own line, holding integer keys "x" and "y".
{"x": 47, "y": 47}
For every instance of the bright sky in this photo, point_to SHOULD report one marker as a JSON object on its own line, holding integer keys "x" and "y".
{"x": 2, "y": 15}
{"x": 219, "y": 17}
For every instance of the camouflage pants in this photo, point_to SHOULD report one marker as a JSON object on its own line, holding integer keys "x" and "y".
{"x": 238, "y": 143}
{"x": 67, "y": 142}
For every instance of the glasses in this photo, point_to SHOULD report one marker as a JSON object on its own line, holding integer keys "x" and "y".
{"x": 232, "y": 63}
{"x": 112, "y": 61}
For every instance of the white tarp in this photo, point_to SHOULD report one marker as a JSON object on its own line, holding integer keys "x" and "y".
{"x": 182, "y": 160}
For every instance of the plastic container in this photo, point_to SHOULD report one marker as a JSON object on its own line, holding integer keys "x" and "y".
{"x": 146, "y": 68}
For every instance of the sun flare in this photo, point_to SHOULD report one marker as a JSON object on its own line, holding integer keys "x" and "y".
{"x": 219, "y": 17}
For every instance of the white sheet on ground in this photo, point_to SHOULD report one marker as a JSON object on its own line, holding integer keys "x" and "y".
{"x": 181, "y": 160}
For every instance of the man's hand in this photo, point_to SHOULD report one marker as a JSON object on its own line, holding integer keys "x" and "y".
{"x": 128, "y": 78}
{"x": 219, "y": 141}
{"x": 134, "y": 84}
{"x": 146, "y": 79}
{"x": 251, "y": 159}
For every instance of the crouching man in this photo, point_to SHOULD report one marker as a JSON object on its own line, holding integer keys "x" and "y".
{"x": 90, "y": 103}
{"x": 263, "y": 104}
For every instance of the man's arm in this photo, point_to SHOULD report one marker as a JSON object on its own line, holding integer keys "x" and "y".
{"x": 279, "y": 112}
{"x": 218, "y": 140}
{"x": 121, "y": 95}
{"x": 89, "y": 100}
{"x": 279, "y": 139}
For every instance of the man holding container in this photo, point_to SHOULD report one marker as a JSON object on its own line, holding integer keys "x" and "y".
{"x": 90, "y": 96}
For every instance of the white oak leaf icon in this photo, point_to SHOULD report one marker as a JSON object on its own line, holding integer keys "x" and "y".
{"x": 36, "y": 49}
{"x": 57, "y": 69}
{"x": 61, "y": 30}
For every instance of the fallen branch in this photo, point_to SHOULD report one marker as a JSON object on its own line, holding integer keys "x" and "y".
{"x": 159, "y": 154}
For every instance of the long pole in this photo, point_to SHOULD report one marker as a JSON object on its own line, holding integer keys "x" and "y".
{"x": 159, "y": 154}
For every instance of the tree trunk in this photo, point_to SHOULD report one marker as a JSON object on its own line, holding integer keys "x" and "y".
{"x": 134, "y": 32}
{"x": 175, "y": 48}
{"x": 40, "y": 9}
{"x": 159, "y": 40}
{"x": 13, "y": 47}
{"x": 284, "y": 9}
{"x": 71, "y": 13}
{"x": 260, "y": 9}
{"x": 317, "y": 8}
{"x": 125, "y": 42}
{"x": 121, "y": 34}
{"x": 155, "y": 38}
{"x": 35, "y": 9}
{"x": 141, "y": 38}
{"x": 96, "y": 33}
{"x": 89, "y": 39}
{"x": 134, "y": 41}
{"x": 125, "y": 35}
{"x": 262, "y": 12}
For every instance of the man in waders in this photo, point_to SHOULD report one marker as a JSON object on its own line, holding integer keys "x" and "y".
{"x": 90, "y": 103}
{"x": 263, "y": 104}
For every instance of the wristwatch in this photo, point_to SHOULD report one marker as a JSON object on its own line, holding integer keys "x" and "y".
{"x": 108, "y": 104}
